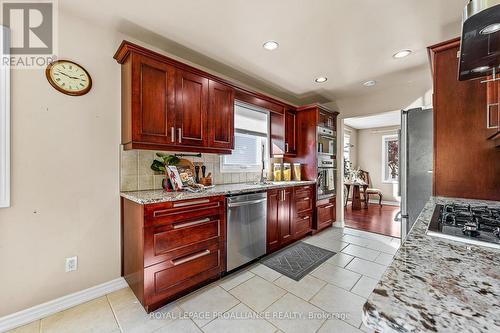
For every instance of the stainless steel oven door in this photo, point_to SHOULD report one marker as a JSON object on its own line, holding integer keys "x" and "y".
{"x": 326, "y": 182}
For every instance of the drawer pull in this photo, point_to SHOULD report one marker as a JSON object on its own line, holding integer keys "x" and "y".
{"x": 306, "y": 199}
{"x": 189, "y": 224}
{"x": 305, "y": 218}
{"x": 329, "y": 206}
{"x": 190, "y": 203}
{"x": 190, "y": 258}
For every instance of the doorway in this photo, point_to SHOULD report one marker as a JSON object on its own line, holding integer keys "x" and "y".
{"x": 371, "y": 173}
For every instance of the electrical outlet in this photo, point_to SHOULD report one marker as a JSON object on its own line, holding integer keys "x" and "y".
{"x": 71, "y": 264}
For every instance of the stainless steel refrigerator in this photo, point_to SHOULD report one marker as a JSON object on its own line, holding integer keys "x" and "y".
{"x": 415, "y": 164}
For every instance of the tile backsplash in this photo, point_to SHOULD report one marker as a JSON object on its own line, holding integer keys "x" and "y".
{"x": 136, "y": 173}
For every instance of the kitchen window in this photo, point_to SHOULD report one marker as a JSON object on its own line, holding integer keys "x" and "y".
{"x": 4, "y": 123}
{"x": 390, "y": 158}
{"x": 251, "y": 140}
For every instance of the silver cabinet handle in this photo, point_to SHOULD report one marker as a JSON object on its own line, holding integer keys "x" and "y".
{"x": 190, "y": 258}
{"x": 286, "y": 147}
{"x": 306, "y": 199}
{"x": 190, "y": 203}
{"x": 305, "y": 218}
{"x": 172, "y": 134}
{"x": 180, "y": 134}
{"x": 189, "y": 224}
{"x": 329, "y": 206}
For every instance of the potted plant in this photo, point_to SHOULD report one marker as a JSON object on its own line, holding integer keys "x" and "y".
{"x": 160, "y": 164}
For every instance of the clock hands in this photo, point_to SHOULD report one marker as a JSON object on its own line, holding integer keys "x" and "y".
{"x": 71, "y": 77}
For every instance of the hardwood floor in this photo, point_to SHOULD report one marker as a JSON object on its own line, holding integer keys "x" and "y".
{"x": 374, "y": 219}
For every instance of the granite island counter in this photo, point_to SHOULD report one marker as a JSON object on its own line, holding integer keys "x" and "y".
{"x": 437, "y": 285}
{"x": 157, "y": 196}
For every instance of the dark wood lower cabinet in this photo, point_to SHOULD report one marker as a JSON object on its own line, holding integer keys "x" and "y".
{"x": 170, "y": 249}
{"x": 325, "y": 214}
{"x": 273, "y": 217}
{"x": 289, "y": 215}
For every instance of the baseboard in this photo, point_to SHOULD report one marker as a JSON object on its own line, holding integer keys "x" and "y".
{"x": 387, "y": 203}
{"x": 59, "y": 304}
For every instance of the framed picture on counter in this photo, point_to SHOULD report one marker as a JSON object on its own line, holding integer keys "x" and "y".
{"x": 175, "y": 178}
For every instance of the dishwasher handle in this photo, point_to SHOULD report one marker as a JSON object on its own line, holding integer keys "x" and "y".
{"x": 245, "y": 203}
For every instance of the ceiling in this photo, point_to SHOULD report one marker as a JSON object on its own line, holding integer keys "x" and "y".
{"x": 385, "y": 119}
{"x": 350, "y": 42}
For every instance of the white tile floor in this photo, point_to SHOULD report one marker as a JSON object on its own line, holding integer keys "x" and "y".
{"x": 257, "y": 299}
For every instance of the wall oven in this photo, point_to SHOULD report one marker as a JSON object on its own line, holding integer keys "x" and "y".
{"x": 326, "y": 177}
{"x": 326, "y": 141}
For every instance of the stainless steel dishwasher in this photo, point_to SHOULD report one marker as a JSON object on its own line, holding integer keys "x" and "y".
{"x": 246, "y": 228}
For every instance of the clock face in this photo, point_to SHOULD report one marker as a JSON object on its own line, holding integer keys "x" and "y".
{"x": 69, "y": 77}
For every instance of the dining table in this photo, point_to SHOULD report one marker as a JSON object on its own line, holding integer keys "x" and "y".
{"x": 357, "y": 187}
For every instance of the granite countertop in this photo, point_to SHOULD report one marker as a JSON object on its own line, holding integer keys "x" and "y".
{"x": 437, "y": 285}
{"x": 156, "y": 196}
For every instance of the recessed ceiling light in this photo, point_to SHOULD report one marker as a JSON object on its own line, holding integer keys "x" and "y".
{"x": 270, "y": 45}
{"x": 370, "y": 83}
{"x": 320, "y": 79}
{"x": 491, "y": 29}
{"x": 402, "y": 54}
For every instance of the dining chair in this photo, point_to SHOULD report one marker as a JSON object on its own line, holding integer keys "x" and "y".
{"x": 370, "y": 190}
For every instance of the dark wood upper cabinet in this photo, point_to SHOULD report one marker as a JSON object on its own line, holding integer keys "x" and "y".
{"x": 290, "y": 133}
{"x": 277, "y": 134}
{"x": 466, "y": 164}
{"x": 221, "y": 116}
{"x": 168, "y": 105}
{"x": 191, "y": 109}
{"x": 152, "y": 108}
{"x": 327, "y": 119}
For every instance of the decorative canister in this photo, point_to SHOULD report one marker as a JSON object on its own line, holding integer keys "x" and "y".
{"x": 277, "y": 174}
{"x": 287, "y": 172}
{"x": 297, "y": 176}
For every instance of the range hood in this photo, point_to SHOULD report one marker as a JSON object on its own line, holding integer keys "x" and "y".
{"x": 480, "y": 47}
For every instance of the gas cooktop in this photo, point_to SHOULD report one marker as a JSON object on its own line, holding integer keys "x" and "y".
{"x": 475, "y": 224}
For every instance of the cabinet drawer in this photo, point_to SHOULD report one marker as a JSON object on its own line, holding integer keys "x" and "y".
{"x": 303, "y": 204}
{"x": 171, "y": 277}
{"x": 303, "y": 225}
{"x": 166, "y": 241}
{"x": 306, "y": 190}
{"x": 162, "y": 213}
{"x": 326, "y": 214}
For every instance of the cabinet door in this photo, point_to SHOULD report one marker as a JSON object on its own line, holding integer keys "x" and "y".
{"x": 290, "y": 133}
{"x": 221, "y": 116}
{"x": 326, "y": 119}
{"x": 286, "y": 216}
{"x": 153, "y": 101}
{"x": 277, "y": 134}
{"x": 192, "y": 109}
{"x": 273, "y": 217}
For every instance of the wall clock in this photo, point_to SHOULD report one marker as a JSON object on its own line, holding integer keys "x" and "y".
{"x": 68, "y": 77}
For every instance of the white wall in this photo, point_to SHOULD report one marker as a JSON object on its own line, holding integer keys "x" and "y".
{"x": 65, "y": 176}
{"x": 370, "y": 159}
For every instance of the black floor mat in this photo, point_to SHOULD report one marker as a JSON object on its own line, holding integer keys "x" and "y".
{"x": 297, "y": 260}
